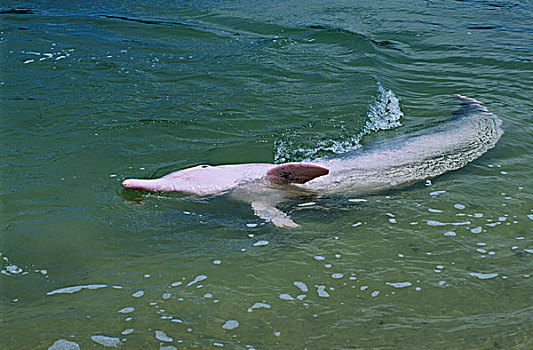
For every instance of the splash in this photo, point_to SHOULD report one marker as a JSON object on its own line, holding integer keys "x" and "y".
{"x": 384, "y": 113}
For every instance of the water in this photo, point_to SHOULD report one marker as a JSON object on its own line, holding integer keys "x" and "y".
{"x": 96, "y": 92}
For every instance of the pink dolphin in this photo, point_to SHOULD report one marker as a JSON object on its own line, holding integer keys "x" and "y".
{"x": 402, "y": 160}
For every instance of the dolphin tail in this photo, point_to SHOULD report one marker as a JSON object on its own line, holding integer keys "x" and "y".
{"x": 469, "y": 104}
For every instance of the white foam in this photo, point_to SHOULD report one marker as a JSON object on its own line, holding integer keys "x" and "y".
{"x": 357, "y": 200}
{"x": 302, "y": 286}
{"x": 258, "y": 306}
{"x": 230, "y": 324}
{"x": 436, "y": 193}
{"x": 63, "y": 344}
{"x": 162, "y": 336}
{"x": 138, "y": 294}
{"x": 74, "y": 289}
{"x": 483, "y": 276}
{"x": 477, "y": 229}
{"x": 126, "y": 310}
{"x": 384, "y": 113}
{"x": 439, "y": 223}
{"x": 286, "y": 296}
{"x": 399, "y": 284}
{"x": 321, "y": 290}
{"x": 197, "y": 279}
{"x": 109, "y": 342}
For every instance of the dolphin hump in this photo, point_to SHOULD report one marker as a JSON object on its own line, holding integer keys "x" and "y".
{"x": 298, "y": 173}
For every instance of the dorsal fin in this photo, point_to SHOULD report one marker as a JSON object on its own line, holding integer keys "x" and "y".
{"x": 297, "y": 173}
{"x": 469, "y": 104}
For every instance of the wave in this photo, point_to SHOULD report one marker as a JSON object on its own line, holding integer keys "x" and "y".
{"x": 383, "y": 113}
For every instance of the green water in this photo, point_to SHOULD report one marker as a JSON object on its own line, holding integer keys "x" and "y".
{"x": 95, "y": 92}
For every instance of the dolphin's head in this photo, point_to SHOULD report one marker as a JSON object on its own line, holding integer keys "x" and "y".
{"x": 202, "y": 179}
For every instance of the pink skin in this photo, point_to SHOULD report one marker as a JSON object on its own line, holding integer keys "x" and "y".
{"x": 206, "y": 180}
{"x": 400, "y": 160}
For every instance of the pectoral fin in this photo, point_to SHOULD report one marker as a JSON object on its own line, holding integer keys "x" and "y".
{"x": 270, "y": 213}
{"x": 298, "y": 173}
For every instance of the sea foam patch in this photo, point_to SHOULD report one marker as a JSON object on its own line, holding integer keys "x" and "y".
{"x": 383, "y": 113}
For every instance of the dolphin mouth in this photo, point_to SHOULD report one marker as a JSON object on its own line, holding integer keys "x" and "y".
{"x": 142, "y": 185}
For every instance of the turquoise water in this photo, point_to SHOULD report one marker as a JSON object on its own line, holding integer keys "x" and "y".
{"x": 93, "y": 93}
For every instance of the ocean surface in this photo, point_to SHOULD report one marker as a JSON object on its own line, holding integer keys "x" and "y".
{"x": 93, "y": 92}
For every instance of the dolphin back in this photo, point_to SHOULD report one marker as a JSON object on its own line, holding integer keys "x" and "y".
{"x": 413, "y": 157}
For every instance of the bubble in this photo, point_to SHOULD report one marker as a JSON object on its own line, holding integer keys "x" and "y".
{"x": 302, "y": 286}
{"x": 399, "y": 284}
{"x": 321, "y": 290}
{"x": 74, "y": 289}
{"x": 285, "y": 297}
{"x": 436, "y": 193}
{"x": 126, "y": 310}
{"x": 138, "y": 294}
{"x": 483, "y": 276}
{"x": 63, "y": 344}
{"x": 258, "y": 306}
{"x": 230, "y": 324}
{"x": 162, "y": 336}
{"x": 357, "y": 200}
{"x": 476, "y": 229}
{"x": 106, "y": 341}
{"x": 197, "y": 279}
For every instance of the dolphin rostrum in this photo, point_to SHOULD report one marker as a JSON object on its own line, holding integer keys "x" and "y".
{"x": 390, "y": 163}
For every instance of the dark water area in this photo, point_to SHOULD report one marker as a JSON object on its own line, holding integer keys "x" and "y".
{"x": 95, "y": 92}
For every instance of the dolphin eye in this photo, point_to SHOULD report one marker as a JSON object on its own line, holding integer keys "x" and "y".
{"x": 205, "y": 166}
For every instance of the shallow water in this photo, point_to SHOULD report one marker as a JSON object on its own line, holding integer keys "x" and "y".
{"x": 92, "y": 94}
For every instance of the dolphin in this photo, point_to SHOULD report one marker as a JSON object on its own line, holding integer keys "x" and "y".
{"x": 402, "y": 160}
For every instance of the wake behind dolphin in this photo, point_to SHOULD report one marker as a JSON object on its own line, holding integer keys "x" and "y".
{"x": 391, "y": 163}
